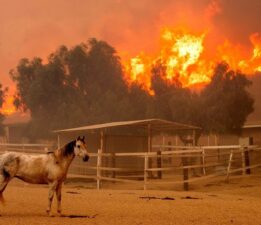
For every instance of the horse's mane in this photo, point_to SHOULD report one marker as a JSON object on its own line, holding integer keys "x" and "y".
{"x": 68, "y": 148}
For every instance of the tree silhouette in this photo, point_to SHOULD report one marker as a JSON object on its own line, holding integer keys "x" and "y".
{"x": 85, "y": 85}
{"x": 226, "y": 101}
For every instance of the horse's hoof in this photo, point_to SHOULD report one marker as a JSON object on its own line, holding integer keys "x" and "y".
{"x": 49, "y": 213}
{"x": 59, "y": 212}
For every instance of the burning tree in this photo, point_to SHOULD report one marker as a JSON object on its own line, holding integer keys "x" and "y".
{"x": 226, "y": 101}
{"x": 76, "y": 86}
{"x": 183, "y": 54}
{"x": 87, "y": 84}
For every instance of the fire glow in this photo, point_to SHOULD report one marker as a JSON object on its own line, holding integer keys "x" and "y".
{"x": 8, "y": 106}
{"x": 181, "y": 53}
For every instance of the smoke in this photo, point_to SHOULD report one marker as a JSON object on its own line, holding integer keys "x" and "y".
{"x": 239, "y": 19}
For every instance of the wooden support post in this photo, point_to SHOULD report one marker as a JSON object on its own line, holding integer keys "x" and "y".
{"x": 149, "y": 149}
{"x": 159, "y": 164}
{"x": 113, "y": 164}
{"x": 102, "y": 142}
{"x": 185, "y": 174}
{"x": 146, "y": 167}
{"x": 229, "y": 165}
{"x": 185, "y": 162}
{"x": 149, "y": 138}
{"x": 203, "y": 162}
{"x": 99, "y": 160}
{"x": 243, "y": 160}
{"x": 172, "y": 159}
{"x": 102, "y": 148}
{"x": 163, "y": 143}
{"x": 216, "y": 144}
{"x": 247, "y": 161}
{"x": 58, "y": 141}
{"x": 194, "y": 138}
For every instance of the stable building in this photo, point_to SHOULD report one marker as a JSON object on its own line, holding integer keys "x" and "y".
{"x": 127, "y": 136}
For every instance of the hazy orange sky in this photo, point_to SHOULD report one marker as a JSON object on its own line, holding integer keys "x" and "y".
{"x": 37, "y": 27}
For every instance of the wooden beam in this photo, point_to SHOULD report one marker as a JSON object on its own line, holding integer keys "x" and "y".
{"x": 194, "y": 138}
{"x": 149, "y": 138}
{"x": 102, "y": 141}
{"x": 58, "y": 141}
{"x": 99, "y": 160}
{"x": 146, "y": 167}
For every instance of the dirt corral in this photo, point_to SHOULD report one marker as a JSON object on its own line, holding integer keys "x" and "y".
{"x": 218, "y": 203}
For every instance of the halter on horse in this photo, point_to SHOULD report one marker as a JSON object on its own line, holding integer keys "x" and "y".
{"x": 50, "y": 168}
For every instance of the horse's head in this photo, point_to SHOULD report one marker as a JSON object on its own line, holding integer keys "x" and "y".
{"x": 80, "y": 149}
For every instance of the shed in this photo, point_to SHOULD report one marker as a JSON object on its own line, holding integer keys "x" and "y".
{"x": 125, "y": 136}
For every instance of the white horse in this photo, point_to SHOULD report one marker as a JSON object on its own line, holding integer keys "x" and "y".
{"x": 50, "y": 168}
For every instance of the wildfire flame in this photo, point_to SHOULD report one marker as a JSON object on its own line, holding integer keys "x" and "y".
{"x": 182, "y": 55}
{"x": 8, "y": 108}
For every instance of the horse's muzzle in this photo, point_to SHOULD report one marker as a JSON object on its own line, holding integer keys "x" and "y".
{"x": 85, "y": 158}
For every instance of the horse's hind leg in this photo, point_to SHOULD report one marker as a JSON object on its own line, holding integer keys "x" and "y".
{"x": 7, "y": 172}
{"x": 4, "y": 180}
{"x": 52, "y": 189}
{"x": 2, "y": 188}
{"x": 59, "y": 198}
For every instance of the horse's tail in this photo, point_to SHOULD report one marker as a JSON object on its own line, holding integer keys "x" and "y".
{"x": 4, "y": 179}
{"x": 8, "y": 167}
{"x": 3, "y": 183}
{"x": 2, "y": 199}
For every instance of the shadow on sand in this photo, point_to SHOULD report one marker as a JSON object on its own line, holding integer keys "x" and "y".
{"x": 79, "y": 216}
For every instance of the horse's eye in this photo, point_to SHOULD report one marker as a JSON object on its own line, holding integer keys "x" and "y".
{"x": 78, "y": 146}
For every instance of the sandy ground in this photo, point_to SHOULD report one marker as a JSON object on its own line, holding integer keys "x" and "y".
{"x": 238, "y": 202}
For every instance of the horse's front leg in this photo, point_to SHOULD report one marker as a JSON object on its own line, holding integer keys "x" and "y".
{"x": 59, "y": 197}
{"x": 52, "y": 188}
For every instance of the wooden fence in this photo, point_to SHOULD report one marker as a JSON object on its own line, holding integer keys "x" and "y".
{"x": 27, "y": 148}
{"x": 165, "y": 165}
{"x": 211, "y": 161}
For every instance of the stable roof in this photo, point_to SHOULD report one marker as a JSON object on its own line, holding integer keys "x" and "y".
{"x": 252, "y": 124}
{"x": 153, "y": 124}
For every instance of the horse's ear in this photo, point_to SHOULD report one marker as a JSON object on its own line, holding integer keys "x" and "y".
{"x": 83, "y": 138}
{"x": 78, "y": 138}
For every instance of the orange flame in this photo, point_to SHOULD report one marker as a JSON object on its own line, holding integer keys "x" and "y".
{"x": 8, "y": 107}
{"x": 182, "y": 55}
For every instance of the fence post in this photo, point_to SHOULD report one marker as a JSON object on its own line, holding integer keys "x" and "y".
{"x": 99, "y": 160}
{"x": 113, "y": 164}
{"x": 247, "y": 160}
{"x": 159, "y": 164}
{"x": 146, "y": 167}
{"x": 243, "y": 161}
{"x": 229, "y": 164}
{"x": 203, "y": 162}
{"x": 185, "y": 172}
